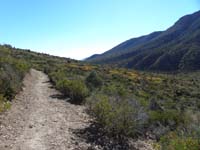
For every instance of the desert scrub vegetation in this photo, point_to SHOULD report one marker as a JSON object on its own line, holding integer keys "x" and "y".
{"x": 70, "y": 86}
{"x": 163, "y": 96}
{"x": 132, "y": 103}
{"x": 93, "y": 81}
{"x": 12, "y": 71}
{"x": 76, "y": 90}
{"x": 173, "y": 141}
{"x": 117, "y": 117}
{"x": 124, "y": 102}
{"x": 14, "y": 64}
{"x": 4, "y": 104}
{"x": 184, "y": 138}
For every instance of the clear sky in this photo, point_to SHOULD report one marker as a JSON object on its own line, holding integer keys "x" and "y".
{"x": 80, "y": 28}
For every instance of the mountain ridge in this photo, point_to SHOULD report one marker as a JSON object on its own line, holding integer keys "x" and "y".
{"x": 176, "y": 48}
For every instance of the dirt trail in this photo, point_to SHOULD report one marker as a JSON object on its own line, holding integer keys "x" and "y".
{"x": 39, "y": 121}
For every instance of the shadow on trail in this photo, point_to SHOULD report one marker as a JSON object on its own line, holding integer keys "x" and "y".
{"x": 95, "y": 135}
{"x": 46, "y": 81}
{"x": 64, "y": 98}
{"x": 58, "y": 96}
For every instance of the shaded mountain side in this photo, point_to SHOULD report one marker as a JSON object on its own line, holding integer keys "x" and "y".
{"x": 177, "y": 48}
{"x": 125, "y": 47}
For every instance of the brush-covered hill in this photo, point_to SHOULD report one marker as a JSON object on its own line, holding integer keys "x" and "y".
{"x": 177, "y": 48}
{"x": 123, "y": 102}
{"x": 15, "y": 63}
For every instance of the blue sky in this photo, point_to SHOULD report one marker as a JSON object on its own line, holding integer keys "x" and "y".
{"x": 80, "y": 28}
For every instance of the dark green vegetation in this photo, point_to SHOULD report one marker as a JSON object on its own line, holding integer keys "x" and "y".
{"x": 12, "y": 72}
{"x": 131, "y": 103}
{"x": 177, "y": 48}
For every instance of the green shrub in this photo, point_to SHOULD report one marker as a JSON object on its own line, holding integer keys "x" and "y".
{"x": 11, "y": 75}
{"x": 114, "y": 89}
{"x": 4, "y": 104}
{"x": 2, "y": 100}
{"x": 174, "y": 142}
{"x": 56, "y": 76}
{"x": 94, "y": 80}
{"x": 116, "y": 117}
{"x": 102, "y": 110}
{"x": 168, "y": 117}
{"x": 22, "y": 67}
{"x": 7, "y": 86}
{"x": 76, "y": 90}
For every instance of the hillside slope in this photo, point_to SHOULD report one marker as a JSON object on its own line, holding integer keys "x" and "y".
{"x": 177, "y": 48}
{"x": 125, "y": 105}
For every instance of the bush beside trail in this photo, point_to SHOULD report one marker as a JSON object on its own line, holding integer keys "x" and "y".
{"x": 12, "y": 72}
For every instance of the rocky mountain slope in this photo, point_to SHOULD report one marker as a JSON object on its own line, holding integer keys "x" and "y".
{"x": 177, "y": 48}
